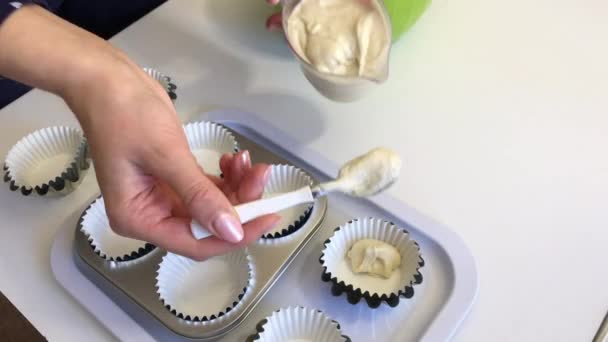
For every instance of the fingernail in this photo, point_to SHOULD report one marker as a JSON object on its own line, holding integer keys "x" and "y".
{"x": 267, "y": 175}
{"x": 228, "y": 227}
{"x": 246, "y": 159}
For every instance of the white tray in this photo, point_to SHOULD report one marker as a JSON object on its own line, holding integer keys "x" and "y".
{"x": 438, "y": 307}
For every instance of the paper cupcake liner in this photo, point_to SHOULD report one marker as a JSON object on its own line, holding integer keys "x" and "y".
{"x": 208, "y": 141}
{"x": 165, "y": 82}
{"x": 52, "y": 160}
{"x": 108, "y": 245}
{"x": 207, "y": 292}
{"x": 337, "y": 270}
{"x": 298, "y": 324}
{"x": 285, "y": 178}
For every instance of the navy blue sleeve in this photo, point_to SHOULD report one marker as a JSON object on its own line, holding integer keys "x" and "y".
{"x": 8, "y": 7}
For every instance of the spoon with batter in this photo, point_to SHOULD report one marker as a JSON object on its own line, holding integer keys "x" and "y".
{"x": 366, "y": 175}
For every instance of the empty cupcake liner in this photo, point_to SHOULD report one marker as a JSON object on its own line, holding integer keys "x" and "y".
{"x": 164, "y": 80}
{"x": 108, "y": 245}
{"x": 208, "y": 141}
{"x": 296, "y": 323}
{"x": 285, "y": 178}
{"x": 51, "y": 160}
{"x": 337, "y": 268}
{"x": 207, "y": 292}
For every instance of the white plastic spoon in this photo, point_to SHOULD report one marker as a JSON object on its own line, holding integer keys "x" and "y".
{"x": 365, "y": 175}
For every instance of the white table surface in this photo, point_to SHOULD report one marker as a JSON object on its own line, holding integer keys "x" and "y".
{"x": 499, "y": 108}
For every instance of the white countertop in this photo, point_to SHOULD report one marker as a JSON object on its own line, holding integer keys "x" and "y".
{"x": 500, "y": 110}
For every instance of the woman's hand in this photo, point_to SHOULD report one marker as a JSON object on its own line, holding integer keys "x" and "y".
{"x": 150, "y": 180}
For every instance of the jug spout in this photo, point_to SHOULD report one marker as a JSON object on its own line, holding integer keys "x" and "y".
{"x": 380, "y": 75}
{"x": 374, "y": 42}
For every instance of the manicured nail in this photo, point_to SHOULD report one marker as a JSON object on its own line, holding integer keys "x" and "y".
{"x": 246, "y": 159}
{"x": 228, "y": 227}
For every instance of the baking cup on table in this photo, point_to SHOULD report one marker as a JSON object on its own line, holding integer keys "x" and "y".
{"x": 51, "y": 160}
{"x": 164, "y": 80}
{"x": 208, "y": 141}
{"x": 296, "y": 323}
{"x": 105, "y": 242}
{"x": 285, "y": 178}
{"x": 207, "y": 292}
{"x": 375, "y": 290}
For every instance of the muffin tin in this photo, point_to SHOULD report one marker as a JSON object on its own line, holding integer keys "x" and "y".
{"x": 288, "y": 272}
{"x": 138, "y": 280}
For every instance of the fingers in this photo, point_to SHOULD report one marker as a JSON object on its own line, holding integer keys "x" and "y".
{"x": 177, "y": 207}
{"x": 253, "y": 183}
{"x": 173, "y": 234}
{"x": 241, "y": 163}
{"x": 242, "y": 181}
{"x": 204, "y": 200}
{"x": 225, "y": 163}
{"x": 255, "y": 228}
{"x": 275, "y": 22}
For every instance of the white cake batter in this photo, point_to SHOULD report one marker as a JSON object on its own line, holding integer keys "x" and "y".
{"x": 340, "y": 37}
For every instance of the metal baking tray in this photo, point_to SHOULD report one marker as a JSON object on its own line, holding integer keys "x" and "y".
{"x": 434, "y": 313}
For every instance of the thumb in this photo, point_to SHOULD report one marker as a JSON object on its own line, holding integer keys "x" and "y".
{"x": 203, "y": 199}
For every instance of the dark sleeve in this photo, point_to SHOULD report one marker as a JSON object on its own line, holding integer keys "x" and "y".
{"x": 7, "y": 7}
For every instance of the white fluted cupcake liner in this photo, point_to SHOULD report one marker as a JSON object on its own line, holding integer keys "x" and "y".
{"x": 208, "y": 141}
{"x": 207, "y": 292}
{"x": 51, "y": 160}
{"x": 296, "y": 323}
{"x": 375, "y": 290}
{"x": 286, "y": 178}
{"x": 108, "y": 245}
{"x": 164, "y": 80}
